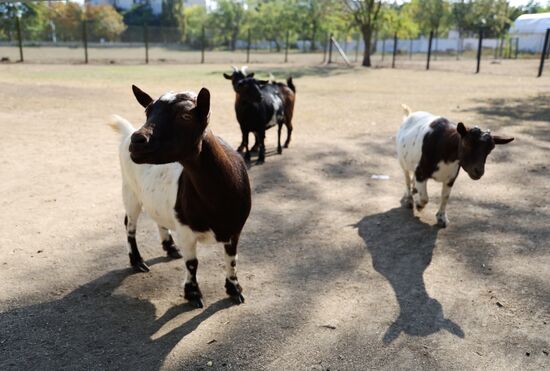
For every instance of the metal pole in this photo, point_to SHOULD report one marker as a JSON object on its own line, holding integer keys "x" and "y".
{"x": 394, "y": 50}
{"x": 383, "y": 48}
{"x": 203, "y": 43}
{"x": 286, "y": 45}
{"x": 517, "y": 48}
{"x": 20, "y": 39}
{"x": 330, "y": 50}
{"x": 146, "y": 41}
{"x": 479, "y": 47}
{"x": 429, "y": 50}
{"x": 543, "y": 54}
{"x": 248, "y": 47}
{"x": 85, "y": 39}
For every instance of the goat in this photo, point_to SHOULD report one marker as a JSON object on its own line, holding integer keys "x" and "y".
{"x": 260, "y": 105}
{"x": 190, "y": 182}
{"x": 432, "y": 147}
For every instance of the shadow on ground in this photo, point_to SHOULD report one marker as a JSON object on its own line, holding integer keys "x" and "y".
{"x": 402, "y": 261}
{"x": 116, "y": 334}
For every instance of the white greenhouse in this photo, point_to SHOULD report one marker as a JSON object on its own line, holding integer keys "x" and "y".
{"x": 530, "y": 29}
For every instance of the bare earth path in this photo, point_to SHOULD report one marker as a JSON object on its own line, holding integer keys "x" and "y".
{"x": 336, "y": 275}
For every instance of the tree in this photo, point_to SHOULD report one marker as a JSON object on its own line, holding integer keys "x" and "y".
{"x": 227, "y": 19}
{"x": 104, "y": 22}
{"x": 431, "y": 15}
{"x": 365, "y": 14}
{"x": 195, "y": 18}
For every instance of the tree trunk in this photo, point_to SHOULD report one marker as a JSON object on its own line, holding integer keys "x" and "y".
{"x": 367, "y": 35}
{"x": 313, "y": 37}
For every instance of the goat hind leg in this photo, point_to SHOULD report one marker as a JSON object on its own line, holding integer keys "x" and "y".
{"x": 168, "y": 244}
{"x": 288, "y": 132}
{"x": 133, "y": 209}
{"x": 279, "y": 148}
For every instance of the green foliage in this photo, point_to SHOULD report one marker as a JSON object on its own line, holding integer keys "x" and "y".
{"x": 431, "y": 15}
{"x": 195, "y": 18}
{"x": 140, "y": 14}
{"x": 104, "y": 22}
{"x": 226, "y": 21}
{"x": 397, "y": 19}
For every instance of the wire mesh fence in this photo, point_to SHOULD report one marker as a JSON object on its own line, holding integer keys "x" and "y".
{"x": 518, "y": 55}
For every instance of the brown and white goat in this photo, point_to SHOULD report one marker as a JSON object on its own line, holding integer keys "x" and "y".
{"x": 190, "y": 182}
{"x": 431, "y": 147}
{"x": 260, "y": 105}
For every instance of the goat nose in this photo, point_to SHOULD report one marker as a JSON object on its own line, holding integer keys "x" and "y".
{"x": 138, "y": 138}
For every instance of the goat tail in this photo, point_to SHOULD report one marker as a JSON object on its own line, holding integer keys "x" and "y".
{"x": 406, "y": 110}
{"x": 291, "y": 84}
{"x": 121, "y": 126}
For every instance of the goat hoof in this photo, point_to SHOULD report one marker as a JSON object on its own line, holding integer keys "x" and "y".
{"x": 255, "y": 148}
{"x": 234, "y": 290}
{"x": 286, "y": 145}
{"x": 260, "y": 161}
{"x": 140, "y": 267}
{"x": 419, "y": 207}
{"x": 247, "y": 157}
{"x": 279, "y": 150}
{"x": 172, "y": 252}
{"x": 407, "y": 202}
{"x": 197, "y": 303}
{"x": 442, "y": 220}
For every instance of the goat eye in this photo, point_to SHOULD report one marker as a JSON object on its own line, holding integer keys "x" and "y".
{"x": 186, "y": 116}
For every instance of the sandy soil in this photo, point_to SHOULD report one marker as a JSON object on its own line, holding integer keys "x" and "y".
{"x": 336, "y": 275}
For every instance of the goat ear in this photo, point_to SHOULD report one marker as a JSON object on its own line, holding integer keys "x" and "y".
{"x": 203, "y": 105}
{"x": 142, "y": 97}
{"x": 461, "y": 129}
{"x": 229, "y": 77}
{"x": 250, "y": 74}
{"x": 502, "y": 140}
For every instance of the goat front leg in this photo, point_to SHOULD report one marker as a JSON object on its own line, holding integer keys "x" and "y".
{"x": 279, "y": 148}
{"x": 407, "y": 199}
{"x": 187, "y": 241}
{"x": 441, "y": 215}
{"x": 420, "y": 194}
{"x": 261, "y": 153}
{"x": 244, "y": 142}
{"x": 232, "y": 286}
{"x": 256, "y": 144}
{"x": 168, "y": 244}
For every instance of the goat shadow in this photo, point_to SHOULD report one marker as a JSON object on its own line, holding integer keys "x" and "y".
{"x": 401, "y": 247}
{"x": 94, "y": 328}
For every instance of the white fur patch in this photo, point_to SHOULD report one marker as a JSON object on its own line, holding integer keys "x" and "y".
{"x": 410, "y": 138}
{"x": 445, "y": 171}
{"x": 170, "y": 96}
{"x": 277, "y": 103}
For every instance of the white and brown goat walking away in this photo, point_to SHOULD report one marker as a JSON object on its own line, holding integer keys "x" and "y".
{"x": 190, "y": 183}
{"x": 432, "y": 147}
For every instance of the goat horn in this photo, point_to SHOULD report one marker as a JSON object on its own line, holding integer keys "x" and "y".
{"x": 243, "y": 69}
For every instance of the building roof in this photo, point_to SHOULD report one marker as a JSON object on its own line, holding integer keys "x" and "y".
{"x": 531, "y": 23}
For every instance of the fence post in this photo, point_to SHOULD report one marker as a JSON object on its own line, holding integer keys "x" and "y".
{"x": 329, "y": 50}
{"x": 429, "y": 50}
{"x": 517, "y": 48}
{"x": 394, "y": 50}
{"x": 85, "y": 39}
{"x": 19, "y": 37}
{"x": 146, "y": 41}
{"x": 544, "y": 49}
{"x": 248, "y": 47}
{"x": 479, "y": 47}
{"x": 383, "y": 49}
{"x": 286, "y": 45}
{"x": 203, "y": 44}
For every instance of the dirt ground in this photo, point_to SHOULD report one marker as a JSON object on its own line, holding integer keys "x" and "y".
{"x": 336, "y": 274}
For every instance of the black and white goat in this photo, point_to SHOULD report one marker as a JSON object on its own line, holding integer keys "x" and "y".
{"x": 260, "y": 105}
{"x": 431, "y": 147}
{"x": 190, "y": 182}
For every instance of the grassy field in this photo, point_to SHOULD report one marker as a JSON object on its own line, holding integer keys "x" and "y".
{"x": 335, "y": 273}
